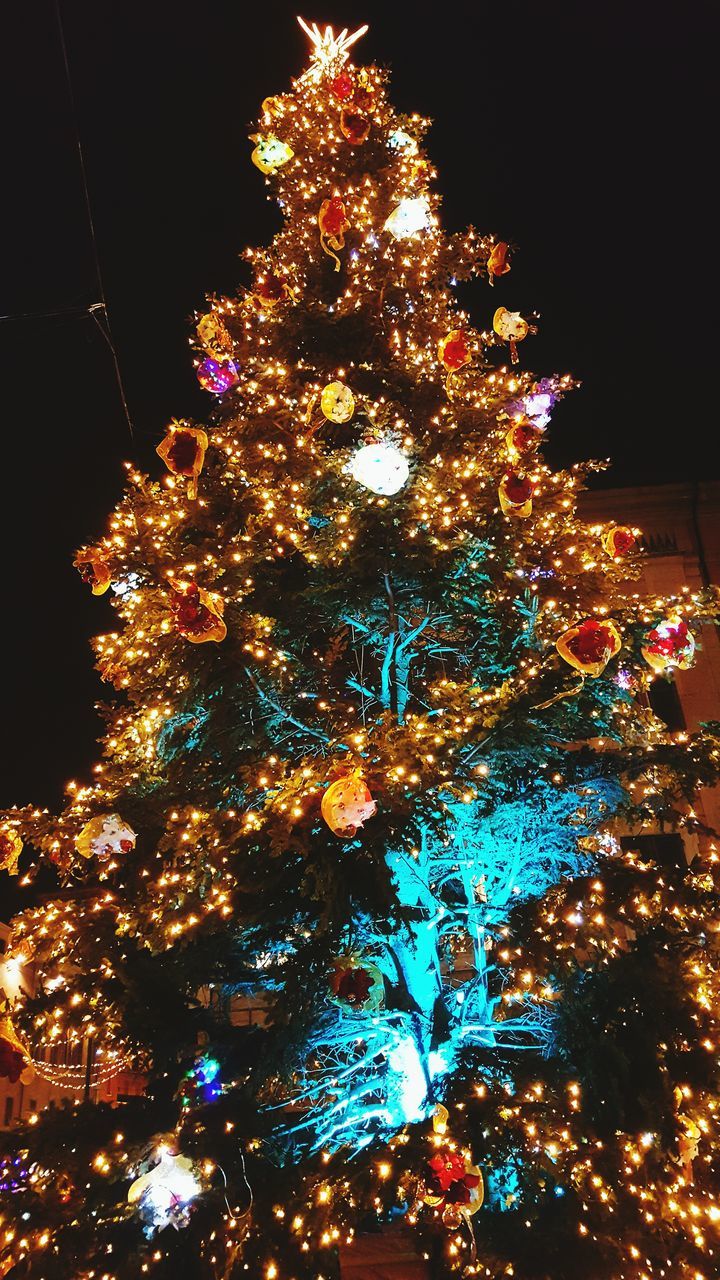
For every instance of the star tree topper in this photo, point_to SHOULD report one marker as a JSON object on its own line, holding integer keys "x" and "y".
{"x": 328, "y": 50}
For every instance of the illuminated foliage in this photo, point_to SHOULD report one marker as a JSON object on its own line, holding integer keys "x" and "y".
{"x": 381, "y": 807}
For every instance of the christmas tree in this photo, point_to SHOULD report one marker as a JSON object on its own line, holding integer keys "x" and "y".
{"x": 382, "y": 715}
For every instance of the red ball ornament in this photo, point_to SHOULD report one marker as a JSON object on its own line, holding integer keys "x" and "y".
{"x": 354, "y": 126}
{"x": 590, "y": 646}
{"x": 15, "y": 1061}
{"x": 332, "y": 217}
{"x": 342, "y": 86}
{"x": 523, "y": 437}
{"x": 183, "y": 452}
{"x": 197, "y": 614}
{"x": 333, "y": 223}
{"x": 11, "y": 1062}
{"x": 363, "y": 98}
{"x": 516, "y": 494}
{"x": 453, "y": 350}
{"x": 670, "y": 644}
{"x": 270, "y": 289}
{"x": 356, "y": 984}
{"x": 451, "y": 1179}
{"x": 619, "y": 541}
{"x": 353, "y": 986}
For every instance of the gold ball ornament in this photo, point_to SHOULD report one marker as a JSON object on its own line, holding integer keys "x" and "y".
{"x": 94, "y": 570}
{"x": 11, "y": 846}
{"x": 164, "y": 1194}
{"x": 213, "y": 335}
{"x": 337, "y": 402}
{"x": 105, "y": 836}
{"x": 409, "y": 217}
{"x": 347, "y": 804}
{"x": 15, "y": 1062}
{"x": 497, "y": 263}
{"x": 512, "y": 327}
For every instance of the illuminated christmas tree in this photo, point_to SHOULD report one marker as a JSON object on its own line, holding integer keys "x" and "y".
{"x": 382, "y": 717}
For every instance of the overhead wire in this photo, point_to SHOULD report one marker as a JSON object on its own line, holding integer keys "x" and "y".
{"x": 98, "y": 311}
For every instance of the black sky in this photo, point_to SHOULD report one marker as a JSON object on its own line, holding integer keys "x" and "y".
{"x": 583, "y": 132}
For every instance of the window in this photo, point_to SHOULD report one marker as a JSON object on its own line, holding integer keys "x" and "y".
{"x": 665, "y": 702}
{"x": 9, "y": 1111}
{"x": 666, "y": 850}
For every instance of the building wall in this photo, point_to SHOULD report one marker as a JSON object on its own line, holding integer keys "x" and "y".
{"x": 681, "y": 536}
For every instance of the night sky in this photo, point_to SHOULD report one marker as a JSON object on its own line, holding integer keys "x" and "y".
{"x": 583, "y": 133}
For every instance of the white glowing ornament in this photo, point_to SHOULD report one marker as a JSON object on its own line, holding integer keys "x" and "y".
{"x": 125, "y": 586}
{"x": 538, "y": 406}
{"x": 410, "y": 216}
{"x": 270, "y": 153}
{"x": 163, "y": 1194}
{"x": 399, "y": 140}
{"x": 381, "y": 468}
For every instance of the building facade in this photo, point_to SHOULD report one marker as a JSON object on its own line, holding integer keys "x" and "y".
{"x": 680, "y": 526}
{"x": 71, "y": 1072}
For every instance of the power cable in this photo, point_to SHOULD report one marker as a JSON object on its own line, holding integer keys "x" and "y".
{"x": 97, "y": 310}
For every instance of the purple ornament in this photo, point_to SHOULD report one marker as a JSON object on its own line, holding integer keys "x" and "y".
{"x": 540, "y": 401}
{"x": 217, "y": 375}
{"x": 537, "y": 405}
{"x": 624, "y": 679}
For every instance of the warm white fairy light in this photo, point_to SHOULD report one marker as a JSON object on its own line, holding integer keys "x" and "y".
{"x": 74, "y": 1076}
